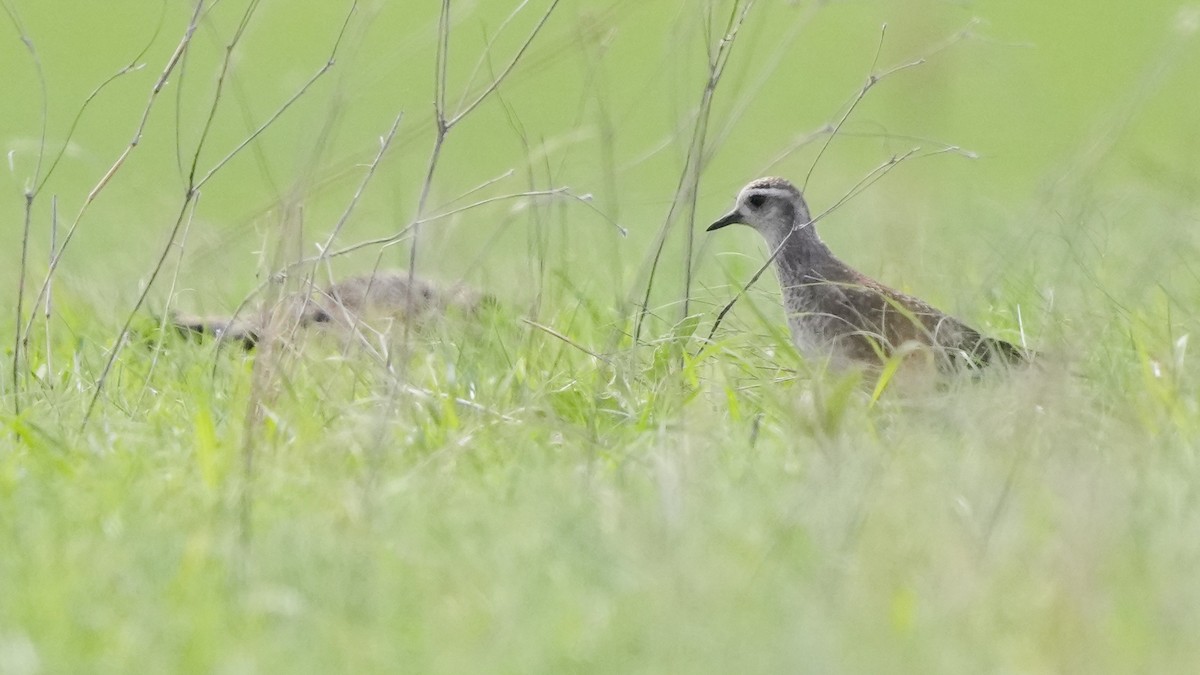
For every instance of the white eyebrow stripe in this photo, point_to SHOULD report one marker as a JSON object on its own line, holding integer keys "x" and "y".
{"x": 772, "y": 192}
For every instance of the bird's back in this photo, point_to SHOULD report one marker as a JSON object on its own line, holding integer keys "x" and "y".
{"x": 840, "y": 312}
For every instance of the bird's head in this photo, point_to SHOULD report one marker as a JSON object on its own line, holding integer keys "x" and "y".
{"x": 773, "y": 206}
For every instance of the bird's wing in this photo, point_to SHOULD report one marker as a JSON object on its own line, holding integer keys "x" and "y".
{"x": 895, "y": 319}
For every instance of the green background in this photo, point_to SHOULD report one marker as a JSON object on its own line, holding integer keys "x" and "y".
{"x": 592, "y": 503}
{"x": 1051, "y": 99}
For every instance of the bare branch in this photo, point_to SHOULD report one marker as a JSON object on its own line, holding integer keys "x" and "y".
{"x": 875, "y": 78}
{"x": 120, "y": 161}
{"x": 283, "y": 108}
{"x": 746, "y": 99}
{"x": 482, "y": 186}
{"x": 384, "y": 144}
{"x": 507, "y": 69}
{"x": 439, "y": 105}
{"x": 216, "y": 98}
{"x": 49, "y": 313}
{"x": 872, "y": 80}
{"x": 689, "y": 179}
{"x": 399, "y": 236}
{"x": 19, "y": 340}
{"x": 805, "y": 139}
{"x": 485, "y": 57}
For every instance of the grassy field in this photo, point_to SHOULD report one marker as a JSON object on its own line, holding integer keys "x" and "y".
{"x": 567, "y": 483}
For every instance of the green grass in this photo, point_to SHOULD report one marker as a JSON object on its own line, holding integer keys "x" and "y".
{"x": 499, "y": 499}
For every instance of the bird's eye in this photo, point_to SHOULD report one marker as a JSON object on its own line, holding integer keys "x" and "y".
{"x": 756, "y": 201}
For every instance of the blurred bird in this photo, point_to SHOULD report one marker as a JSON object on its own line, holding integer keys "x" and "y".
{"x": 344, "y": 305}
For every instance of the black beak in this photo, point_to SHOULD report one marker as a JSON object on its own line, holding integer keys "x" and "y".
{"x": 728, "y": 219}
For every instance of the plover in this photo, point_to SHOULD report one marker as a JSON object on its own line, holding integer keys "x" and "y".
{"x": 842, "y": 316}
{"x": 343, "y": 305}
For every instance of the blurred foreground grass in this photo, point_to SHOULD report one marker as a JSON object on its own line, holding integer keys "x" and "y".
{"x": 520, "y": 505}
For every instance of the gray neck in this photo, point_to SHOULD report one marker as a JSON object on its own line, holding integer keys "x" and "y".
{"x": 804, "y": 258}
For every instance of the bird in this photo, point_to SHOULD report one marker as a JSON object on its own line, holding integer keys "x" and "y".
{"x": 344, "y": 305}
{"x": 843, "y": 317}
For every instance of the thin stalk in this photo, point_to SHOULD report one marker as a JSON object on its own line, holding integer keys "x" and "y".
{"x": 689, "y": 179}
